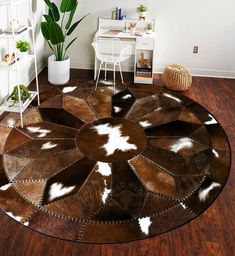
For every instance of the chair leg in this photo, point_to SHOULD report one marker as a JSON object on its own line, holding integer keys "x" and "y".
{"x": 114, "y": 77}
{"x": 105, "y": 72}
{"x": 121, "y": 72}
{"x": 97, "y": 79}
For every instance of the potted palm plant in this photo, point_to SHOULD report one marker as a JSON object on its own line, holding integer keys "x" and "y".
{"x": 56, "y": 28}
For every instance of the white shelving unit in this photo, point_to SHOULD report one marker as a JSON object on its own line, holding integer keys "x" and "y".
{"x": 19, "y": 65}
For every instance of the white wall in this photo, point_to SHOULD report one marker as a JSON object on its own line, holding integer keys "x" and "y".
{"x": 181, "y": 24}
{"x": 27, "y": 73}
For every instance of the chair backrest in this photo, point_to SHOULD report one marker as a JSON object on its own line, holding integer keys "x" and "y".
{"x": 111, "y": 47}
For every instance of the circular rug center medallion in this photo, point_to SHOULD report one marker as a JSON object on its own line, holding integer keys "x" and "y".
{"x": 111, "y": 139}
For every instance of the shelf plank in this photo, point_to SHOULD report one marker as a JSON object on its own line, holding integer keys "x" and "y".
{"x": 10, "y": 36}
{"x": 21, "y": 62}
{"x": 6, "y": 106}
{"x": 7, "y": 2}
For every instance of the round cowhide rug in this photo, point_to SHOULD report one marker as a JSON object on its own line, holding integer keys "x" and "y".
{"x": 94, "y": 167}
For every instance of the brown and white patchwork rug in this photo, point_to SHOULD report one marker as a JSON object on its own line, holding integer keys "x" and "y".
{"x": 94, "y": 167}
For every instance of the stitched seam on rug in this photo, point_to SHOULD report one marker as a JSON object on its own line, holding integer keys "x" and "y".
{"x": 22, "y": 170}
{"x": 129, "y": 111}
{"x": 110, "y": 197}
{"x": 31, "y": 216}
{"x": 164, "y": 169}
{"x": 93, "y": 110}
{"x": 32, "y": 180}
{"x": 161, "y": 167}
{"x": 179, "y": 153}
{"x": 63, "y": 126}
{"x": 81, "y": 232}
{"x": 60, "y": 200}
{"x": 195, "y": 189}
{"x": 145, "y": 198}
{"x": 60, "y": 215}
{"x": 70, "y": 164}
{"x": 147, "y": 189}
{"x": 8, "y": 139}
{"x": 47, "y": 156}
{"x": 78, "y": 199}
{"x": 18, "y": 123}
{"x": 5, "y": 167}
{"x": 209, "y": 175}
{"x": 25, "y": 134}
{"x": 190, "y": 211}
{"x": 103, "y": 102}
{"x": 54, "y": 139}
{"x": 168, "y": 121}
{"x": 179, "y": 137}
{"x": 25, "y": 197}
{"x": 44, "y": 138}
{"x": 12, "y": 149}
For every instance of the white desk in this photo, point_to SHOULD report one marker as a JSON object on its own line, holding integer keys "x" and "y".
{"x": 145, "y": 43}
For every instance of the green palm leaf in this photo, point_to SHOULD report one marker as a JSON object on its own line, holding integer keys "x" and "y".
{"x": 56, "y": 33}
{"x": 70, "y": 31}
{"x": 67, "y": 5}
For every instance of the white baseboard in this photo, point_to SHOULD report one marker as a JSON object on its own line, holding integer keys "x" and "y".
{"x": 81, "y": 65}
{"x": 204, "y": 72}
{"x": 41, "y": 66}
{"x": 159, "y": 70}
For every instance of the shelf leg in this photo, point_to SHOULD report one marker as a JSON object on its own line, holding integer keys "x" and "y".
{"x": 17, "y": 68}
{"x": 34, "y": 51}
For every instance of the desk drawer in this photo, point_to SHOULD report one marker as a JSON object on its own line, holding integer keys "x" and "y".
{"x": 144, "y": 43}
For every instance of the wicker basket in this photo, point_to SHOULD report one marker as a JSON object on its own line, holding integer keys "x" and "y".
{"x": 177, "y": 78}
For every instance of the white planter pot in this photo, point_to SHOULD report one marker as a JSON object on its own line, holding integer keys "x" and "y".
{"x": 143, "y": 15}
{"x": 149, "y": 31}
{"x": 133, "y": 30}
{"x": 24, "y": 55}
{"x": 58, "y": 71}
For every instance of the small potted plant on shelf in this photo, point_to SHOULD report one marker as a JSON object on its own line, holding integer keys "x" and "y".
{"x": 142, "y": 10}
{"x": 58, "y": 25}
{"x": 149, "y": 28}
{"x": 23, "y": 47}
{"x": 24, "y": 95}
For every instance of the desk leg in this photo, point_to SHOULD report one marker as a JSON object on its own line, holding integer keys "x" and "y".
{"x": 95, "y": 70}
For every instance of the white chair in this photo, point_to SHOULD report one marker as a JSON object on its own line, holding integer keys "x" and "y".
{"x": 110, "y": 51}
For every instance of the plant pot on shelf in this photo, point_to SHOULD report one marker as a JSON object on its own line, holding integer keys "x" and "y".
{"x": 142, "y": 15}
{"x": 24, "y": 55}
{"x": 58, "y": 71}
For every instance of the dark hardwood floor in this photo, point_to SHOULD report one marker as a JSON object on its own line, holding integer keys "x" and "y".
{"x": 211, "y": 234}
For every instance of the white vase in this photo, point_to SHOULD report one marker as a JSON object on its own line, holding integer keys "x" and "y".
{"x": 143, "y": 15}
{"x": 24, "y": 55}
{"x": 58, "y": 71}
{"x": 133, "y": 30}
{"x": 148, "y": 31}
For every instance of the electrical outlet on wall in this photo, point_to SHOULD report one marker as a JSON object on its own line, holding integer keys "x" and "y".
{"x": 195, "y": 49}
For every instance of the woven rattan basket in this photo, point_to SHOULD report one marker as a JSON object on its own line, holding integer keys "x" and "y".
{"x": 177, "y": 78}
